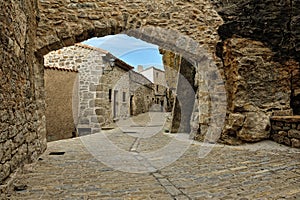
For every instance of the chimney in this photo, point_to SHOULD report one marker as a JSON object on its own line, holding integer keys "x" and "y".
{"x": 140, "y": 68}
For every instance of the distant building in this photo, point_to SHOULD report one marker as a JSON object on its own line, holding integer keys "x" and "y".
{"x": 142, "y": 93}
{"x": 107, "y": 89}
{"x": 157, "y": 77}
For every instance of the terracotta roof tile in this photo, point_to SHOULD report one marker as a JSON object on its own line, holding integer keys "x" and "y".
{"x": 60, "y": 69}
{"x": 91, "y": 48}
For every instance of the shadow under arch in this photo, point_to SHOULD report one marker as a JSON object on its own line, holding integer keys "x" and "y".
{"x": 211, "y": 95}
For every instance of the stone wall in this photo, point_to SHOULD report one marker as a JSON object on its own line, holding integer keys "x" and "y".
{"x": 100, "y": 98}
{"x": 275, "y": 23}
{"x": 117, "y": 106}
{"x": 141, "y": 93}
{"x": 180, "y": 77}
{"x": 295, "y": 81}
{"x": 259, "y": 48}
{"x": 22, "y": 121}
{"x": 89, "y": 63}
{"x": 104, "y": 92}
{"x": 199, "y": 20}
{"x": 76, "y": 21}
{"x": 171, "y": 62}
{"x": 257, "y": 87}
{"x": 60, "y": 100}
{"x": 63, "y": 23}
{"x": 286, "y": 130}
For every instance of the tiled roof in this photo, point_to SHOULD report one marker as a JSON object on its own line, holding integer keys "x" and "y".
{"x": 120, "y": 63}
{"x": 91, "y": 48}
{"x": 108, "y": 55}
{"x": 60, "y": 69}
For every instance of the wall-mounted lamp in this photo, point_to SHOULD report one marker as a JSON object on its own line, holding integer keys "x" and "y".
{"x": 112, "y": 62}
{"x": 110, "y": 67}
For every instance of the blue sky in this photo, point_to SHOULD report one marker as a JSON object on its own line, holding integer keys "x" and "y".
{"x": 129, "y": 49}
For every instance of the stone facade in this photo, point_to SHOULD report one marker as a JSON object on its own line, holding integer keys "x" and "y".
{"x": 132, "y": 94}
{"x": 22, "y": 120}
{"x": 106, "y": 93}
{"x": 157, "y": 77}
{"x": 89, "y": 62}
{"x": 99, "y": 102}
{"x": 77, "y": 21}
{"x": 141, "y": 93}
{"x": 270, "y": 84}
{"x": 60, "y": 100}
{"x": 286, "y": 130}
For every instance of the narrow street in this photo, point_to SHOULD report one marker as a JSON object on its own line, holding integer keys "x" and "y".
{"x": 137, "y": 160}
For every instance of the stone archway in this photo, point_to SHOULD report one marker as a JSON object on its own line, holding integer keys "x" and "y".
{"x": 32, "y": 28}
{"x": 201, "y": 63}
{"x": 191, "y": 33}
{"x": 63, "y": 23}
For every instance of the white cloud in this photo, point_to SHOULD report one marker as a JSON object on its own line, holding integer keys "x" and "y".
{"x": 120, "y": 44}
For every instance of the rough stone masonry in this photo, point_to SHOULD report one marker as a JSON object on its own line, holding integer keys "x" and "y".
{"x": 237, "y": 34}
{"x": 22, "y": 121}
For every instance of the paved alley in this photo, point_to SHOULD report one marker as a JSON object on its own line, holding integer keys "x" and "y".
{"x": 131, "y": 162}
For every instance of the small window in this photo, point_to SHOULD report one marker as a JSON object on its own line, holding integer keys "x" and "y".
{"x": 157, "y": 88}
{"x": 156, "y": 74}
{"x": 124, "y": 96}
{"x": 109, "y": 95}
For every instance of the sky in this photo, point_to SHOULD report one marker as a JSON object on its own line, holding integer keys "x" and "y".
{"x": 129, "y": 49}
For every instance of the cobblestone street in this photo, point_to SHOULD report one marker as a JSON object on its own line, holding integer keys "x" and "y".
{"x": 264, "y": 170}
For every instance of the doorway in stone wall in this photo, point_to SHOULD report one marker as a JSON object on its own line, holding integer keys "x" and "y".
{"x": 131, "y": 105}
{"x": 115, "y": 104}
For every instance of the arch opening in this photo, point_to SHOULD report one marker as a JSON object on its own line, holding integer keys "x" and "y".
{"x": 184, "y": 47}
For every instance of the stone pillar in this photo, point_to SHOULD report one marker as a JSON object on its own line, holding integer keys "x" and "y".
{"x": 185, "y": 98}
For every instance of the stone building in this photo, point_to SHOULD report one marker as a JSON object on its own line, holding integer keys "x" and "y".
{"x": 107, "y": 87}
{"x": 157, "y": 77}
{"x": 99, "y": 72}
{"x": 141, "y": 93}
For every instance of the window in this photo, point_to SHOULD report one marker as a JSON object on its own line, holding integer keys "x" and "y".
{"x": 156, "y": 74}
{"x": 157, "y": 88}
{"x": 109, "y": 95}
{"x": 124, "y": 96}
